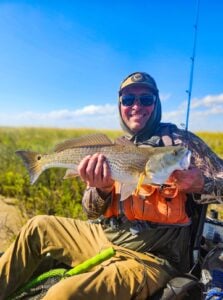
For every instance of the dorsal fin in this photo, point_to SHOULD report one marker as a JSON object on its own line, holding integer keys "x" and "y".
{"x": 84, "y": 141}
{"x": 123, "y": 141}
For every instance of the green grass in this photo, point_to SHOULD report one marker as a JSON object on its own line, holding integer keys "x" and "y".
{"x": 214, "y": 140}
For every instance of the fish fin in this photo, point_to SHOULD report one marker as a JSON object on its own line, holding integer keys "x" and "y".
{"x": 83, "y": 141}
{"x": 140, "y": 182}
{"x": 126, "y": 190}
{"x": 130, "y": 146}
{"x": 32, "y": 162}
{"x": 123, "y": 141}
{"x": 70, "y": 173}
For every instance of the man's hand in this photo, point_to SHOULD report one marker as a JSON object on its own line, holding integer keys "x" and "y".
{"x": 94, "y": 170}
{"x": 189, "y": 181}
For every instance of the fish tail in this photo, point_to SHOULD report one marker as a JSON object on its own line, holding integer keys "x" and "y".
{"x": 33, "y": 163}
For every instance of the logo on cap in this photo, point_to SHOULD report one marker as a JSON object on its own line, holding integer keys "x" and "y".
{"x": 138, "y": 77}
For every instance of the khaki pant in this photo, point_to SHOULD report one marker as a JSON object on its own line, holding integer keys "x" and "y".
{"x": 127, "y": 275}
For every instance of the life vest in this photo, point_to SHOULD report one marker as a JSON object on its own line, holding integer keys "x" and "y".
{"x": 157, "y": 205}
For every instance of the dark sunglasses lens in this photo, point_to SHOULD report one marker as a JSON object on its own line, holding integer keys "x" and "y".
{"x": 147, "y": 100}
{"x": 127, "y": 100}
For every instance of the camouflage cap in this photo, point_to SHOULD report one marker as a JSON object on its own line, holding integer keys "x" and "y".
{"x": 141, "y": 78}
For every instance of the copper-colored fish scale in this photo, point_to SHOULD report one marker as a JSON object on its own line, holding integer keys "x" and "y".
{"x": 121, "y": 159}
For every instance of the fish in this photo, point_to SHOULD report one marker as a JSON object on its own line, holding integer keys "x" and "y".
{"x": 129, "y": 164}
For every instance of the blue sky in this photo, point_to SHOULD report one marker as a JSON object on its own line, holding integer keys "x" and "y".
{"x": 62, "y": 61}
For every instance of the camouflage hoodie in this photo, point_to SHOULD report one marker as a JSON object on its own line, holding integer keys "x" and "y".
{"x": 158, "y": 134}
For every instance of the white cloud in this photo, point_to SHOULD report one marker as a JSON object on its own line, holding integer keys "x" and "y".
{"x": 88, "y": 116}
{"x": 205, "y": 113}
{"x": 207, "y": 101}
{"x": 96, "y": 109}
{"x": 164, "y": 97}
{"x": 89, "y": 110}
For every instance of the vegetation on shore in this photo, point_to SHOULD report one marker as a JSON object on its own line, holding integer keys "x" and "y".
{"x": 51, "y": 194}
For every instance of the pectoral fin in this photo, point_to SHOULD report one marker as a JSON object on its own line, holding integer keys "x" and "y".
{"x": 126, "y": 190}
{"x": 129, "y": 189}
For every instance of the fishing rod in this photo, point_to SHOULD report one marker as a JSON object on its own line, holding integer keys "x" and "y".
{"x": 189, "y": 91}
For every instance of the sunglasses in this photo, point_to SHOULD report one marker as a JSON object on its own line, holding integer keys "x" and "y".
{"x": 144, "y": 100}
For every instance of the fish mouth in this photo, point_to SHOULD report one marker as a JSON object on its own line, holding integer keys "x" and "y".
{"x": 185, "y": 162}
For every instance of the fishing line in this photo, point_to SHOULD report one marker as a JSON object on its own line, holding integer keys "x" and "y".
{"x": 189, "y": 91}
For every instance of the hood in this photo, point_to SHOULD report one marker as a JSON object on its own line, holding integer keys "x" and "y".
{"x": 150, "y": 127}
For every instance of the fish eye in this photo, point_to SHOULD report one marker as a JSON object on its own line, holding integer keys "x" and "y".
{"x": 38, "y": 157}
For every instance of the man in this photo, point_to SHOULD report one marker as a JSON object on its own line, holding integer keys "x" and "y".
{"x": 150, "y": 232}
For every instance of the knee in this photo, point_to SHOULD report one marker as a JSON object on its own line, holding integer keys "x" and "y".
{"x": 60, "y": 291}
{"x": 38, "y": 223}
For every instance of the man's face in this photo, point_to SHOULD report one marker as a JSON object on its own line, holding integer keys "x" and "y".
{"x": 136, "y": 115}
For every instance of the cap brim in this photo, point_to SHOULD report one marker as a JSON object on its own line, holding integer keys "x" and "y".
{"x": 144, "y": 84}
